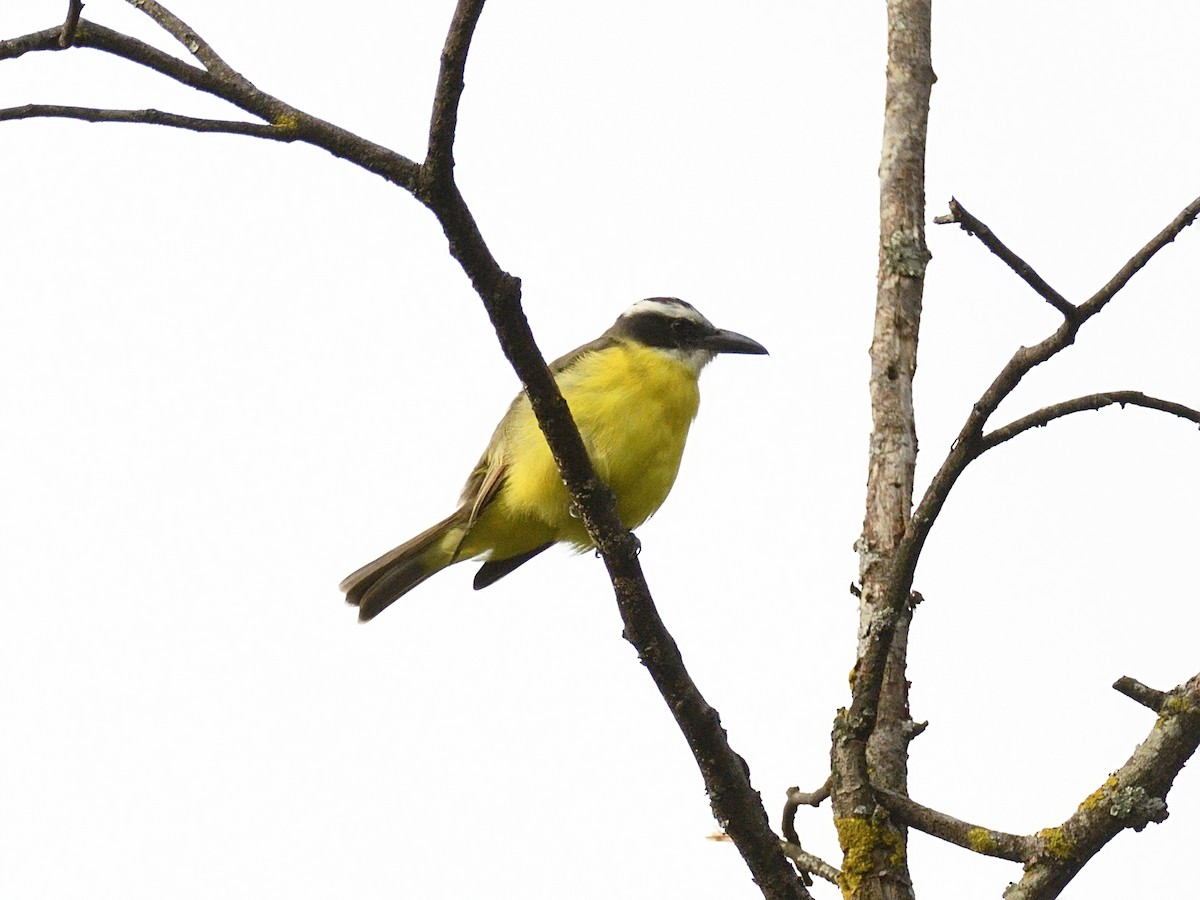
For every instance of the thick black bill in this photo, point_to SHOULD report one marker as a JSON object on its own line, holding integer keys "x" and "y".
{"x": 721, "y": 341}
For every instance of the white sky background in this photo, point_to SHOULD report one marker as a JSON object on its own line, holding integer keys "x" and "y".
{"x": 233, "y": 371}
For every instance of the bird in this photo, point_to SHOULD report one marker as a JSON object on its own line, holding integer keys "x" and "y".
{"x": 633, "y": 393}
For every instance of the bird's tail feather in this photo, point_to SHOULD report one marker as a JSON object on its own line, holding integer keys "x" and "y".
{"x": 378, "y": 584}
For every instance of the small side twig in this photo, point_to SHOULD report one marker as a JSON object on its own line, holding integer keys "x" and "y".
{"x": 1147, "y": 696}
{"x": 797, "y": 798}
{"x": 971, "y": 225}
{"x": 70, "y": 26}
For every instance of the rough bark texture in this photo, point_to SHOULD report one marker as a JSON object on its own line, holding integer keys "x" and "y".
{"x": 872, "y": 736}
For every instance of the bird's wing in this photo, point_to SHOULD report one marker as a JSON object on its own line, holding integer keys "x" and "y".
{"x": 489, "y": 472}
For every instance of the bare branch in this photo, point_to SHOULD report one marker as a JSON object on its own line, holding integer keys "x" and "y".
{"x": 975, "y": 838}
{"x": 807, "y": 862}
{"x": 1048, "y": 414}
{"x": 236, "y": 90}
{"x": 1135, "y": 690}
{"x": 66, "y": 36}
{"x": 443, "y": 122}
{"x": 148, "y": 117}
{"x": 971, "y": 225}
{"x": 1132, "y": 797}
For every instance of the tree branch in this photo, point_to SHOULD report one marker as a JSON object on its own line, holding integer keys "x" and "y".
{"x": 1013, "y": 847}
{"x": 236, "y": 90}
{"x": 1046, "y": 415}
{"x": 971, "y": 225}
{"x": 1100, "y": 299}
{"x": 148, "y": 117}
{"x": 1132, "y": 797}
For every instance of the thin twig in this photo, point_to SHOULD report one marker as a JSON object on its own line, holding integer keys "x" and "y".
{"x": 807, "y": 862}
{"x": 987, "y": 841}
{"x": 1147, "y": 696}
{"x": 66, "y": 36}
{"x": 797, "y": 798}
{"x": 1048, "y": 414}
{"x": 148, "y": 117}
{"x": 971, "y": 225}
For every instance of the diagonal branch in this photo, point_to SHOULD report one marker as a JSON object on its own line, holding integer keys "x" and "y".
{"x": 1132, "y": 797}
{"x": 971, "y": 225}
{"x": 1100, "y": 299}
{"x": 148, "y": 117}
{"x": 735, "y": 803}
{"x": 1045, "y": 416}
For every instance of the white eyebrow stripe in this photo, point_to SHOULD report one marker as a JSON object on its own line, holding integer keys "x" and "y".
{"x": 677, "y": 310}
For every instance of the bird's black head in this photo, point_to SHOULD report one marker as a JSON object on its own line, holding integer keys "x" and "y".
{"x": 675, "y": 326}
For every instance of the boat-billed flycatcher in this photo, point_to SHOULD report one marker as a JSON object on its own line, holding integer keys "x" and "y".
{"x": 633, "y": 394}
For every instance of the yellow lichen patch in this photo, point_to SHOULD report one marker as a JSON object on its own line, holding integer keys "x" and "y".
{"x": 868, "y": 848}
{"x": 1176, "y": 706}
{"x": 981, "y": 841}
{"x": 1057, "y": 843}
{"x": 1092, "y": 800}
{"x": 286, "y": 122}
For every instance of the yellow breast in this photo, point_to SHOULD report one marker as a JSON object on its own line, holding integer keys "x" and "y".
{"x": 633, "y": 405}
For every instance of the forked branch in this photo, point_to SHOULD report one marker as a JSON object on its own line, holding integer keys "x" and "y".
{"x": 734, "y": 802}
{"x": 971, "y": 443}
